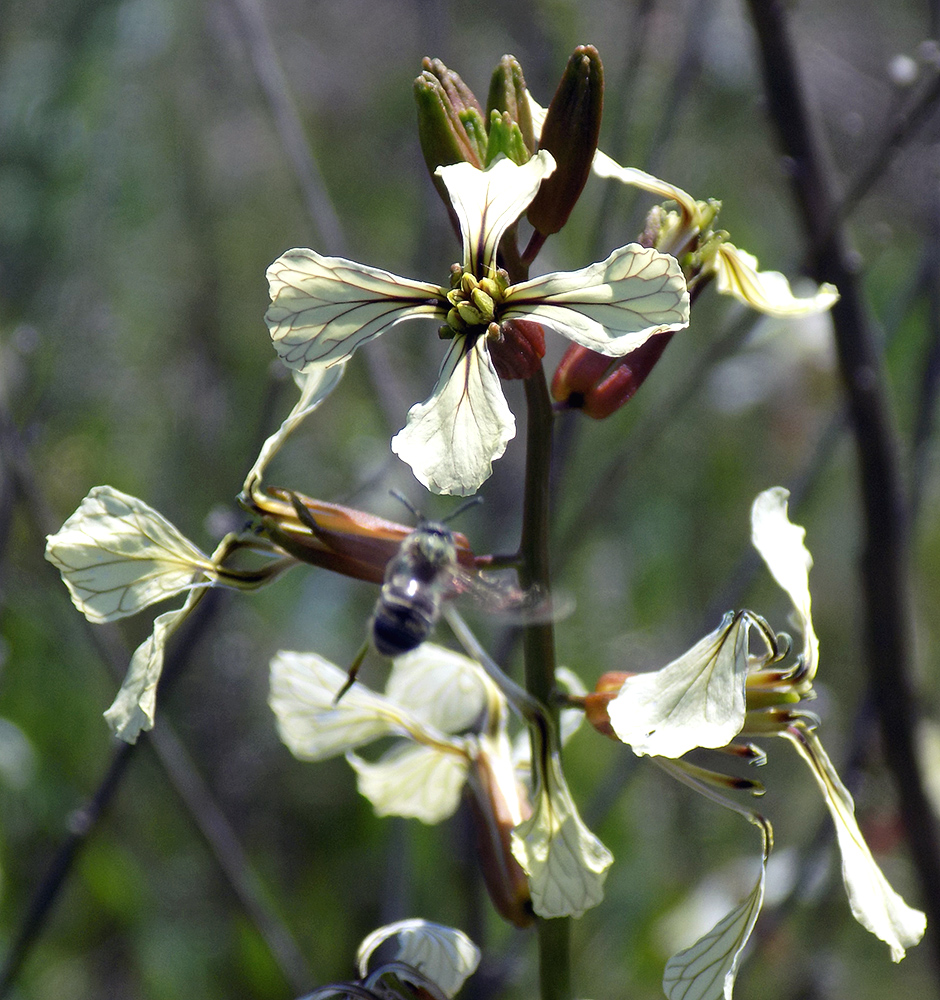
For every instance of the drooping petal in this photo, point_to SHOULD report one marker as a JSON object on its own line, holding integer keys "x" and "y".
{"x": 315, "y": 386}
{"x": 707, "y": 969}
{"x": 417, "y": 782}
{"x": 875, "y": 905}
{"x": 605, "y": 166}
{"x": 134, "y": 708}
{"x": 781, "y": 545}
{"x": 323, "y": 308}
{"x": 303, "y": 689}
{"x": 611, "y": 307}
{"x": 452, "y": 439}
{"x": 118, "y": 555}
{"x": 695, "y": 701}
{"x": 444, "y": 689}
{"x": 566, "y": 864}
{"x": 445, "y": 955}
{"x": 488, "y": 202}
{"x": 766, "y": 291}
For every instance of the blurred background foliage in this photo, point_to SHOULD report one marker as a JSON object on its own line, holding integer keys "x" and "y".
{"x": 146, "y": 181}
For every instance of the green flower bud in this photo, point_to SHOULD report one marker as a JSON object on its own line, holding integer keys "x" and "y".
{"x": 505, "y": 137}
{"x": 508, "y": 94}
{"x": 570, "y": 133}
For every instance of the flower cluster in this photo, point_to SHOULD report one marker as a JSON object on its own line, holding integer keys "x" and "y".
{"x": 721, "y": 692}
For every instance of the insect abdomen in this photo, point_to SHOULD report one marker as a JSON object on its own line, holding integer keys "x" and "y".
{"x": 399, "y": 627}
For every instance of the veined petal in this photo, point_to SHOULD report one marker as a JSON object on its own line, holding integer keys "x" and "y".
{"x": 303, "y": 689}
{"x": 695, "y": 701}
{"x": 118, "y": 555}
{"x": 605, "y": 166}
{"x": 611, "y": 307}
{"x": 766, "y": 291}
{"x": 875, "y": 905}
{"x": 452, "y": 439}
{"x": 566, "y": 864}
{"x": 447, "y": 690}
{"x": 781, "y": 545}
{"x": 707, "y": 969}
{"x": 315, "y": 386}
{"x": 417, "y": 782}
{"x": 323, "y": 308}
{"x": 134, "y": 708}
{"x": 445, "y": 955}
{"x": 488, "y": 202}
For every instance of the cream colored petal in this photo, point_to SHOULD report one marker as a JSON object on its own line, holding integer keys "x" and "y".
{"x": 875, "y": 905}
{"x": 781, "y": 546}
{"x": 488, "y": 202}
{"x": 446, "y": 956}
{"x": 135, "y": 706}
{"x": 417, "y": 782}
{"x": 695, "y": 701}
{"x": 315, "y": 386}
{"x": 606, "y": 167}
{"x": 565, "y": 863}
{"x": 118, "y": 555}
{"x": 707, "y": 969}
{"x": 303, "y": 689}
{"x": 611, "y": 307}
{"x": 447, "y": 690}
{"x": 452, "y": 439}
{"x": 323, "y": 308}
{"x": 766, "y": 291}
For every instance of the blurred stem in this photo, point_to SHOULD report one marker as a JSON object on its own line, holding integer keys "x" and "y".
{"x": 884, "y": 563}
{"x": 539, "y": 640}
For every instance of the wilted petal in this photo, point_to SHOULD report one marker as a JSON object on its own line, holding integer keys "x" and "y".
{"x": 611, "y": 307}
{"x": 488, "y": 202}
{"x": 767, "y": 291}
{"x": 875, "y": 905}
{"x": 117, "y": 555}
{"x": 315, "y": 386}
{"x": 781, "y": 545}
{"x": 418, "y": 782}
{"x": 323, "y": 308}
{"x": 452, "y": 439}
{"x": 303, "y": 689}
{"x": 566, "y": 864}
{"x": 446, "y": 956}
{"x": 695, "y": 701}
{"x": 444, "y": 689}
{"x": 706, "y": 970}
{"x": 134, "y": 708}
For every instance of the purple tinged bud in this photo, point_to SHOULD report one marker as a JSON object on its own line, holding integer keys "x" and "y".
{"x": 570, "y": 134}
{"x": 508, "y": 96}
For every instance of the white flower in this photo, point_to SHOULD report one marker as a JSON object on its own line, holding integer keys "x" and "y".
{"x": 679, "y": 707}
{"x": 444, "y": 956}
{"x": 324, "y": 308}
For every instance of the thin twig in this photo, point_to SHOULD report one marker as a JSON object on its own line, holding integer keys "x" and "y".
{"x": 884, "y": 562}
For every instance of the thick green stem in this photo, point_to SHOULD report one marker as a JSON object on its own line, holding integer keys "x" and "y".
{"x": 539, "y": 641}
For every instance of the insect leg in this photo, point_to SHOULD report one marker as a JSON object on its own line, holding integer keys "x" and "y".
{"x": 353, "y": 670}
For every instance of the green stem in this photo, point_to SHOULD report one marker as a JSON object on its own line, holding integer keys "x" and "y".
{"x": 539, "y": 642}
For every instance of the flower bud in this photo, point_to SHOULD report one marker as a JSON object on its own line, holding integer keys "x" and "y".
{"x": 595, "y": 704}
{"x": 518, "y": 349}
{"x": 570, "y": 133}
{"x": 508, "y": 96}
{"x": 598, "y": 385}
{"x": 495, "y": 811}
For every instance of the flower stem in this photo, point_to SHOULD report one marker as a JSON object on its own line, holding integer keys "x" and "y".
{"x": 539, "y": 641}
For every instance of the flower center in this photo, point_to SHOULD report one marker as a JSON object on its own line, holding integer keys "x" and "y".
{"x": 474, "y": 301}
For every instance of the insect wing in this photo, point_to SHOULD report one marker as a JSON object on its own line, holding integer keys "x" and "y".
{"x": 506, "y": 601}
